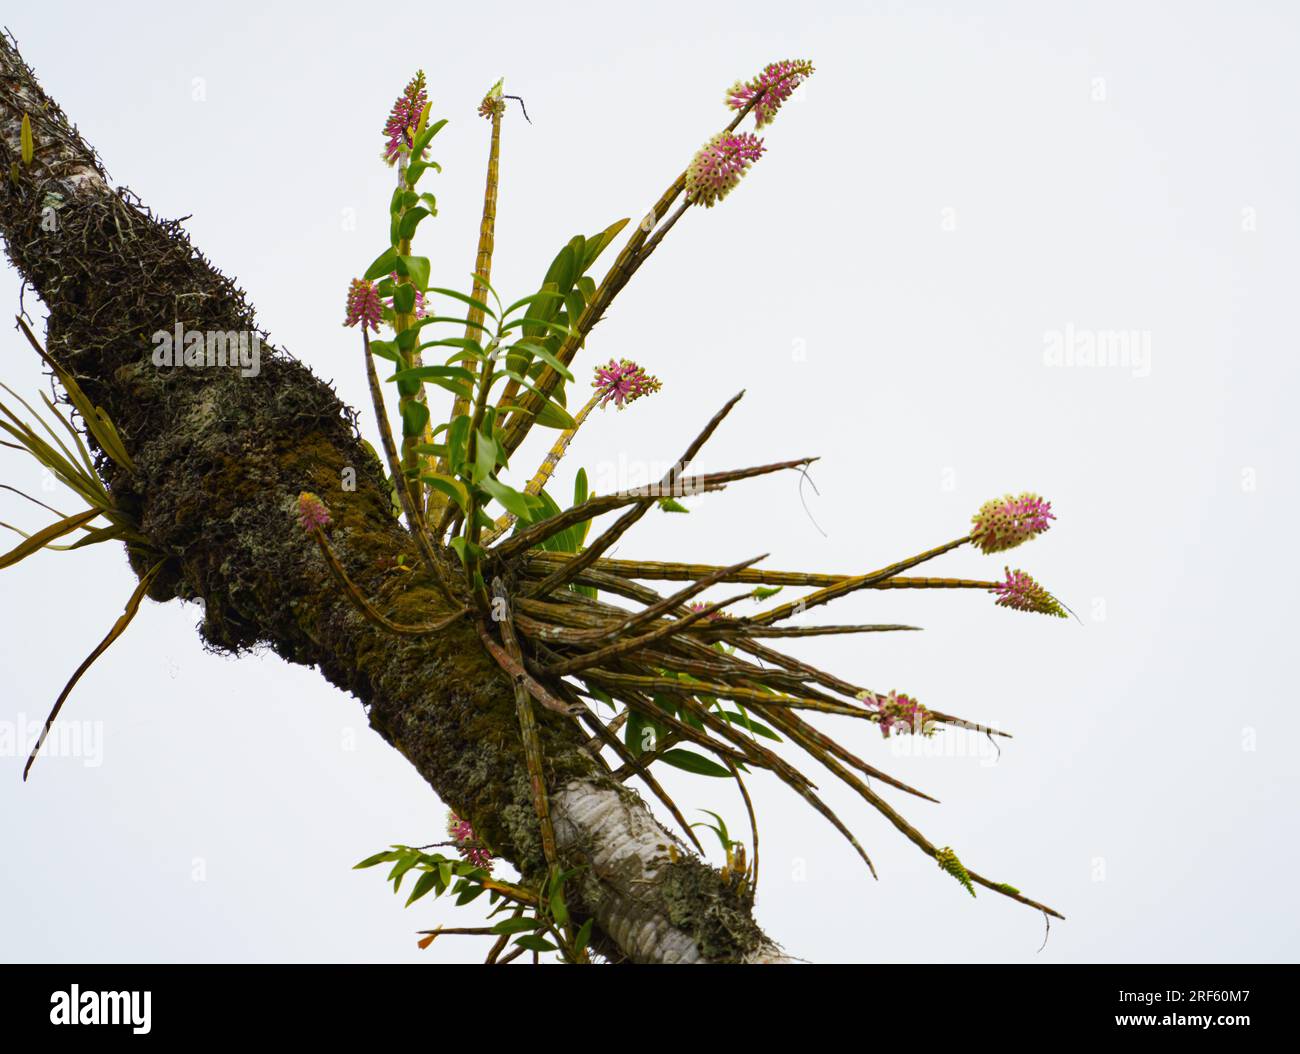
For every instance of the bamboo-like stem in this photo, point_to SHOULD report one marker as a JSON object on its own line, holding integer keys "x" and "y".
{"x": 637, "y": 702}
{"x": 905, "y": 582}
{"x": 529, "y": 735}
{"x": 482, "y": 263}
{"x": 844, "y": 687}
{"x": 792, "y": 777}
{"x": 741, "y": 628}
{"x": 461, "y": 931}
{"x": 652, "y": 570}
{"x": 667, "y": 604}
{"x": 631, "y": 644}
{"x": 473, "y": 561}
{"x": 634, "y": 254}
{"x": 625, "y": 522}
{"x": 501, "y": 942}
{"x": 547, "y": 468}
{"x": 793, "y": 723}
{"x": 411, "y": 359}
{"x": 515, "y": 669}
{"x": 848, "y": 585}
{"x": 537, "y": 533}
{"x": 662, "y": 744}
{"x": 415, "y": 522}
{"x": 672, "y": 686}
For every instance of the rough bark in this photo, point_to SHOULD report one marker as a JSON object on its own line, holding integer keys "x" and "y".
{"x": 220, "y": 461}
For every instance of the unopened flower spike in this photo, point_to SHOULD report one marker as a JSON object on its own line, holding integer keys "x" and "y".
{"x": 624, "y": 382}
{"x": 493, "y": 103}
{"x": 1004, "y": 523}
{"x": 898, "y": 712}
{"x": 404, "y": 117}
{"x": 462, "y": 833}
{"x": 716, "y": 170}
{"x": 947, "y": 861}
{"x": 312, "y": 513}
{"x": 363, "y": 305}
{"x": 777, "y": 82}
{"x": 1021, "y": 592}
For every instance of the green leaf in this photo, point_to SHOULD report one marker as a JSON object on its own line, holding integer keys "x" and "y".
{"x": 559, "y": 910}
{"x": 766, "y": 592}
{"x": 546, "y": 355}
{"x": 691, "y": 762}
{"x": 415, "y": 415}
{"x": 383, "y": 266}
{"x": 465, "y": 300}
{"x": 672, "y": 505}
{"x": 574, "y": 304}
{"x": 526, "y": 383}
{"x": 418, "y": 168}
{"x": 466, "y": 343}
{"x": 449, "y": 486}
{"x": 514, "y": 501}
{"x": 533, "y": 943}
{"x": 465, "y": 549}
{"x": 416, "y": 268}
{"x": 534, "y": 298}
{"x": 424, "y": 138}
{"x": 550, "y": 415}
{"x": 472, "y": 893}
{"x": 404, "y": 299}
{"x": 598, "y": 243}
{"x": 519, "y": 925}
{"x": 458, "y": 440}
{"x": 422, "y": 887}
{"x": 385, "y": 350}
{"x": 748, "y": 723}
{"x": 485, "y": 457}
{"x": 407, "y": 861}
{"x": 429, "y": 373}
{"x": 42, "y": 537}
{"x": 430, "y": 319}
{"x": 378, "y": 858}
{"x": 563, "y": 270}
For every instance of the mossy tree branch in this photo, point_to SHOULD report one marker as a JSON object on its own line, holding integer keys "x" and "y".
{"x": 219, "y": 461}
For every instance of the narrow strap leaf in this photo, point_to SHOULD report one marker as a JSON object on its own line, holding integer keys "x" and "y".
{"x": 119, "y": 627}
{"x": 39, "y": 540}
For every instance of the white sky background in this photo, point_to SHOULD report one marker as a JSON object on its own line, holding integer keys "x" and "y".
{"x": 948, "y": 190}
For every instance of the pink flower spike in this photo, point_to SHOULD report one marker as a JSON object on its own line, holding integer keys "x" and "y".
{"x": 1006, "y": 522}
{"x": 777, "y": 83}
{"x": 716, "y": 169}
{"x": 404, "y": 116}
{"x": 364, "y": 305}
{"x": 312, "y": 513}
{"x": 1020, "y": 592}
{"x": 899, "y": 713}
{"x": 462, "y": 832}
{"x": 624, "y": 382}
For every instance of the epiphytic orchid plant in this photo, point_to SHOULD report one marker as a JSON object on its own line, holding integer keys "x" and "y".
{"x": 682, "y": 683}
